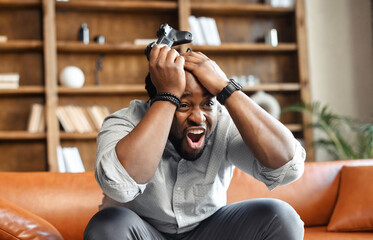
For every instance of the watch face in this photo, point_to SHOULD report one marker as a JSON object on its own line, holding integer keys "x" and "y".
{"x": 236, "y": 84}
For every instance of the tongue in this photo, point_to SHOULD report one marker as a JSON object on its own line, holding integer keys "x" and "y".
{"x": 195, "y": 140}
{"x": 194, "y": 137}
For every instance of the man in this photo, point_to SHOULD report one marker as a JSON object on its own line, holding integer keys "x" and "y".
{"x": 165, "y": 165}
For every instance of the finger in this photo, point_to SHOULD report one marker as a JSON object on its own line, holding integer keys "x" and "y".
{"x": 163, "y": 52}
{"x": 190, "y": 66}
{"x": 192, "y": 59}
{"x": 180, "y": 60}
{"x": 171, "y": 56}
{"x": 154, "y": 53}
{"x": 201, "y": 54}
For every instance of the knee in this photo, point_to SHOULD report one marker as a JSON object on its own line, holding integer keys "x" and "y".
{"x": 285, "y": 217}
{"x": 108, "y": 221}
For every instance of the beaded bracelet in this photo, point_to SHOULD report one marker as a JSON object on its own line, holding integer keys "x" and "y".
{"x": 167, "y": 97}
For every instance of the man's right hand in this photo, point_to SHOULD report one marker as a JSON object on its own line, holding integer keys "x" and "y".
{"x": 166, "y": 69}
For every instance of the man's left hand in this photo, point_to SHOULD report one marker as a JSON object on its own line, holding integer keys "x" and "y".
{"x": 206, "y": 70}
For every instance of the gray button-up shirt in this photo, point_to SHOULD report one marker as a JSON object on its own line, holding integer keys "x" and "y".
{"x": 181, "y": 193}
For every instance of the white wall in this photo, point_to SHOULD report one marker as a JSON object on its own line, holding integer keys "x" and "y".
{"x": 339, "y": 34}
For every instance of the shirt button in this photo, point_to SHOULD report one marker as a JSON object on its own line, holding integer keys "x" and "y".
{"x": 178, "y": 188}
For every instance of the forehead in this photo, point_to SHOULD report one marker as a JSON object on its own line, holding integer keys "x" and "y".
{"x": 193, "y": 86}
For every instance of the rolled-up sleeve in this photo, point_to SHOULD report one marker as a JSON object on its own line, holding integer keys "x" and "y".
{"x": 112, "y": 177}
{"x": 243, "y": 158}
{"x": 289, "y": 172}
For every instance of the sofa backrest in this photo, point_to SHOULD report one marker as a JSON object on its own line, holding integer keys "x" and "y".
{"x": 66, "y": 200}
{"x": 313, "y": 195}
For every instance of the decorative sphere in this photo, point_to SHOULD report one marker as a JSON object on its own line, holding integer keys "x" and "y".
{"x": 72, "y": 76}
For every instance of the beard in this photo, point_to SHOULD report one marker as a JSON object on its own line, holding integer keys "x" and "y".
{"x": 178, "y": 145}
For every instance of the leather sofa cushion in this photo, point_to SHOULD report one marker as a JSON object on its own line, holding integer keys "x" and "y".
{"x": 354, "y": 208}
{"x": 18, "y": 223}
{"x": 320, "y": 233}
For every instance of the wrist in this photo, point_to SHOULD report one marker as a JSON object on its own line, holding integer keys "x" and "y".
{"x": 227, "y": 91}
{"x": 167, "y": 97}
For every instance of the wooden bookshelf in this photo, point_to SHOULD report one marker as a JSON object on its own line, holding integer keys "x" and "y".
{"x": 49, "y": 43}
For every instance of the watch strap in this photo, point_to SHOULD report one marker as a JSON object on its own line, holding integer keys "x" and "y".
{"x": 228, "y": 90}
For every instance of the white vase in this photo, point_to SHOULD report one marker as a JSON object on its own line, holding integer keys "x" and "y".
{"x": 72, "y": 76}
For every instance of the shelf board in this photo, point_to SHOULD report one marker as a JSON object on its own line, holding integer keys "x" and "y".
{"x": 21, "y": 135}
{"x": 20, "y": 3}
{"x": 247, "y": 47}
{"x": 294, "y": 127}
{"x": 21, "y": 45}
{"x": 104, "y": 89}
{"x": 23, "y": 90}
{"x": 79, "y": 47}
{"x": 78, "y": 136}
{"x": 140, "y": 88}
{"x": 118, "y": 5}
{"x": 273, "y": 87}
{"x": 237, "y": 9}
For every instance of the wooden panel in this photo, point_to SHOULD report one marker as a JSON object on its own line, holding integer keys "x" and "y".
{"x": 50, "y": 55}
{"x": 113, "y": 102}
{"x": 29, "y": 66}
{"x": 115, "y": 26}
{"x": 269, "y": 68}
{"x": 229, "y": 1}
{"x": 15, "y": 111}
{"x": 116, "y": 68}
{"x": 304, "y": 75}
{"x": 23, "y": 155}
{"x": 23, "y": 23}
{"x": 252, "y": 29}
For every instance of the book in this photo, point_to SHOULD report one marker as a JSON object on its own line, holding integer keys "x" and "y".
{"x": 72, "y": 160}
{"x": 195, "y": 28}
{"x": 36, "y": 118}
{"x": 81, "y": 119}
{"x": 204, "y": 30}
{"x": 215, "y": 32}
{"x": 60, "y": 160}
{"x": 9, "y": 77}
{"x": 9, "y": 85}
{"x": 64, "y": 119}
{"x": 144, "y": 41}
{"x": 75, "y": 119}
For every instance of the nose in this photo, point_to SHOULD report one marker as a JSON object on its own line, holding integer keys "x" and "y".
{"x": 197, "y": 116}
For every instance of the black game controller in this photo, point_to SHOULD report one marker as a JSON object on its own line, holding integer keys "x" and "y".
{"x": 169, "y": 36}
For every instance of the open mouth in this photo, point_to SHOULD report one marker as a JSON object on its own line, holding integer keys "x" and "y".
{"x": 195, "y": 138}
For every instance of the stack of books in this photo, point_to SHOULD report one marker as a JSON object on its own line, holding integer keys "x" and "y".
{"x": 82, "y": 119}
{"x": 36, "y": 121}
{"x": 9, "y": 80}
{"x": 69, "y": 160}
{"x": 204, "y": 31}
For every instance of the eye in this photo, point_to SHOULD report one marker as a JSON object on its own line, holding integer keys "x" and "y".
{"x": 183, "y": 107}
{"x": 209, "y": 104}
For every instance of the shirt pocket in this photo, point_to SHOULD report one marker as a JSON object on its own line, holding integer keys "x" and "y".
{"x": 209, "y": 197}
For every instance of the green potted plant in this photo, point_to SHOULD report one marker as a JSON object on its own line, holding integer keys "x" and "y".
{"x": 343, "y": 137}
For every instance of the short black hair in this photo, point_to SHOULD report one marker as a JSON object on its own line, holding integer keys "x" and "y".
{"x": 149, "y": 86}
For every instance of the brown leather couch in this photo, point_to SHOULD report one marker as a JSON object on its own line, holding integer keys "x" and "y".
{"x": 46, "y": 205}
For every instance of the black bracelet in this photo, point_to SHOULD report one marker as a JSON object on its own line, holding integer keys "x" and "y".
{"x": 167, "y": 97}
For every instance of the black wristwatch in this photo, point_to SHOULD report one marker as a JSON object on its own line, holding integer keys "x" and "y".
{"x": 228, "y": 90}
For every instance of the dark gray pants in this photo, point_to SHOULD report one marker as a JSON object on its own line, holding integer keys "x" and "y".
{"x": 247, "y": 220}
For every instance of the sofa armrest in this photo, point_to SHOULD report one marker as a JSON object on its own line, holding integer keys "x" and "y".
{"x": 18, "y": 223}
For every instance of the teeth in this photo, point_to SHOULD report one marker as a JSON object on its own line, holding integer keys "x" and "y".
{"x": 196, "y": 131}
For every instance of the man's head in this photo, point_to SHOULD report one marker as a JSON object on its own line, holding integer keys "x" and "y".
{"x": 194, "y": 121}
